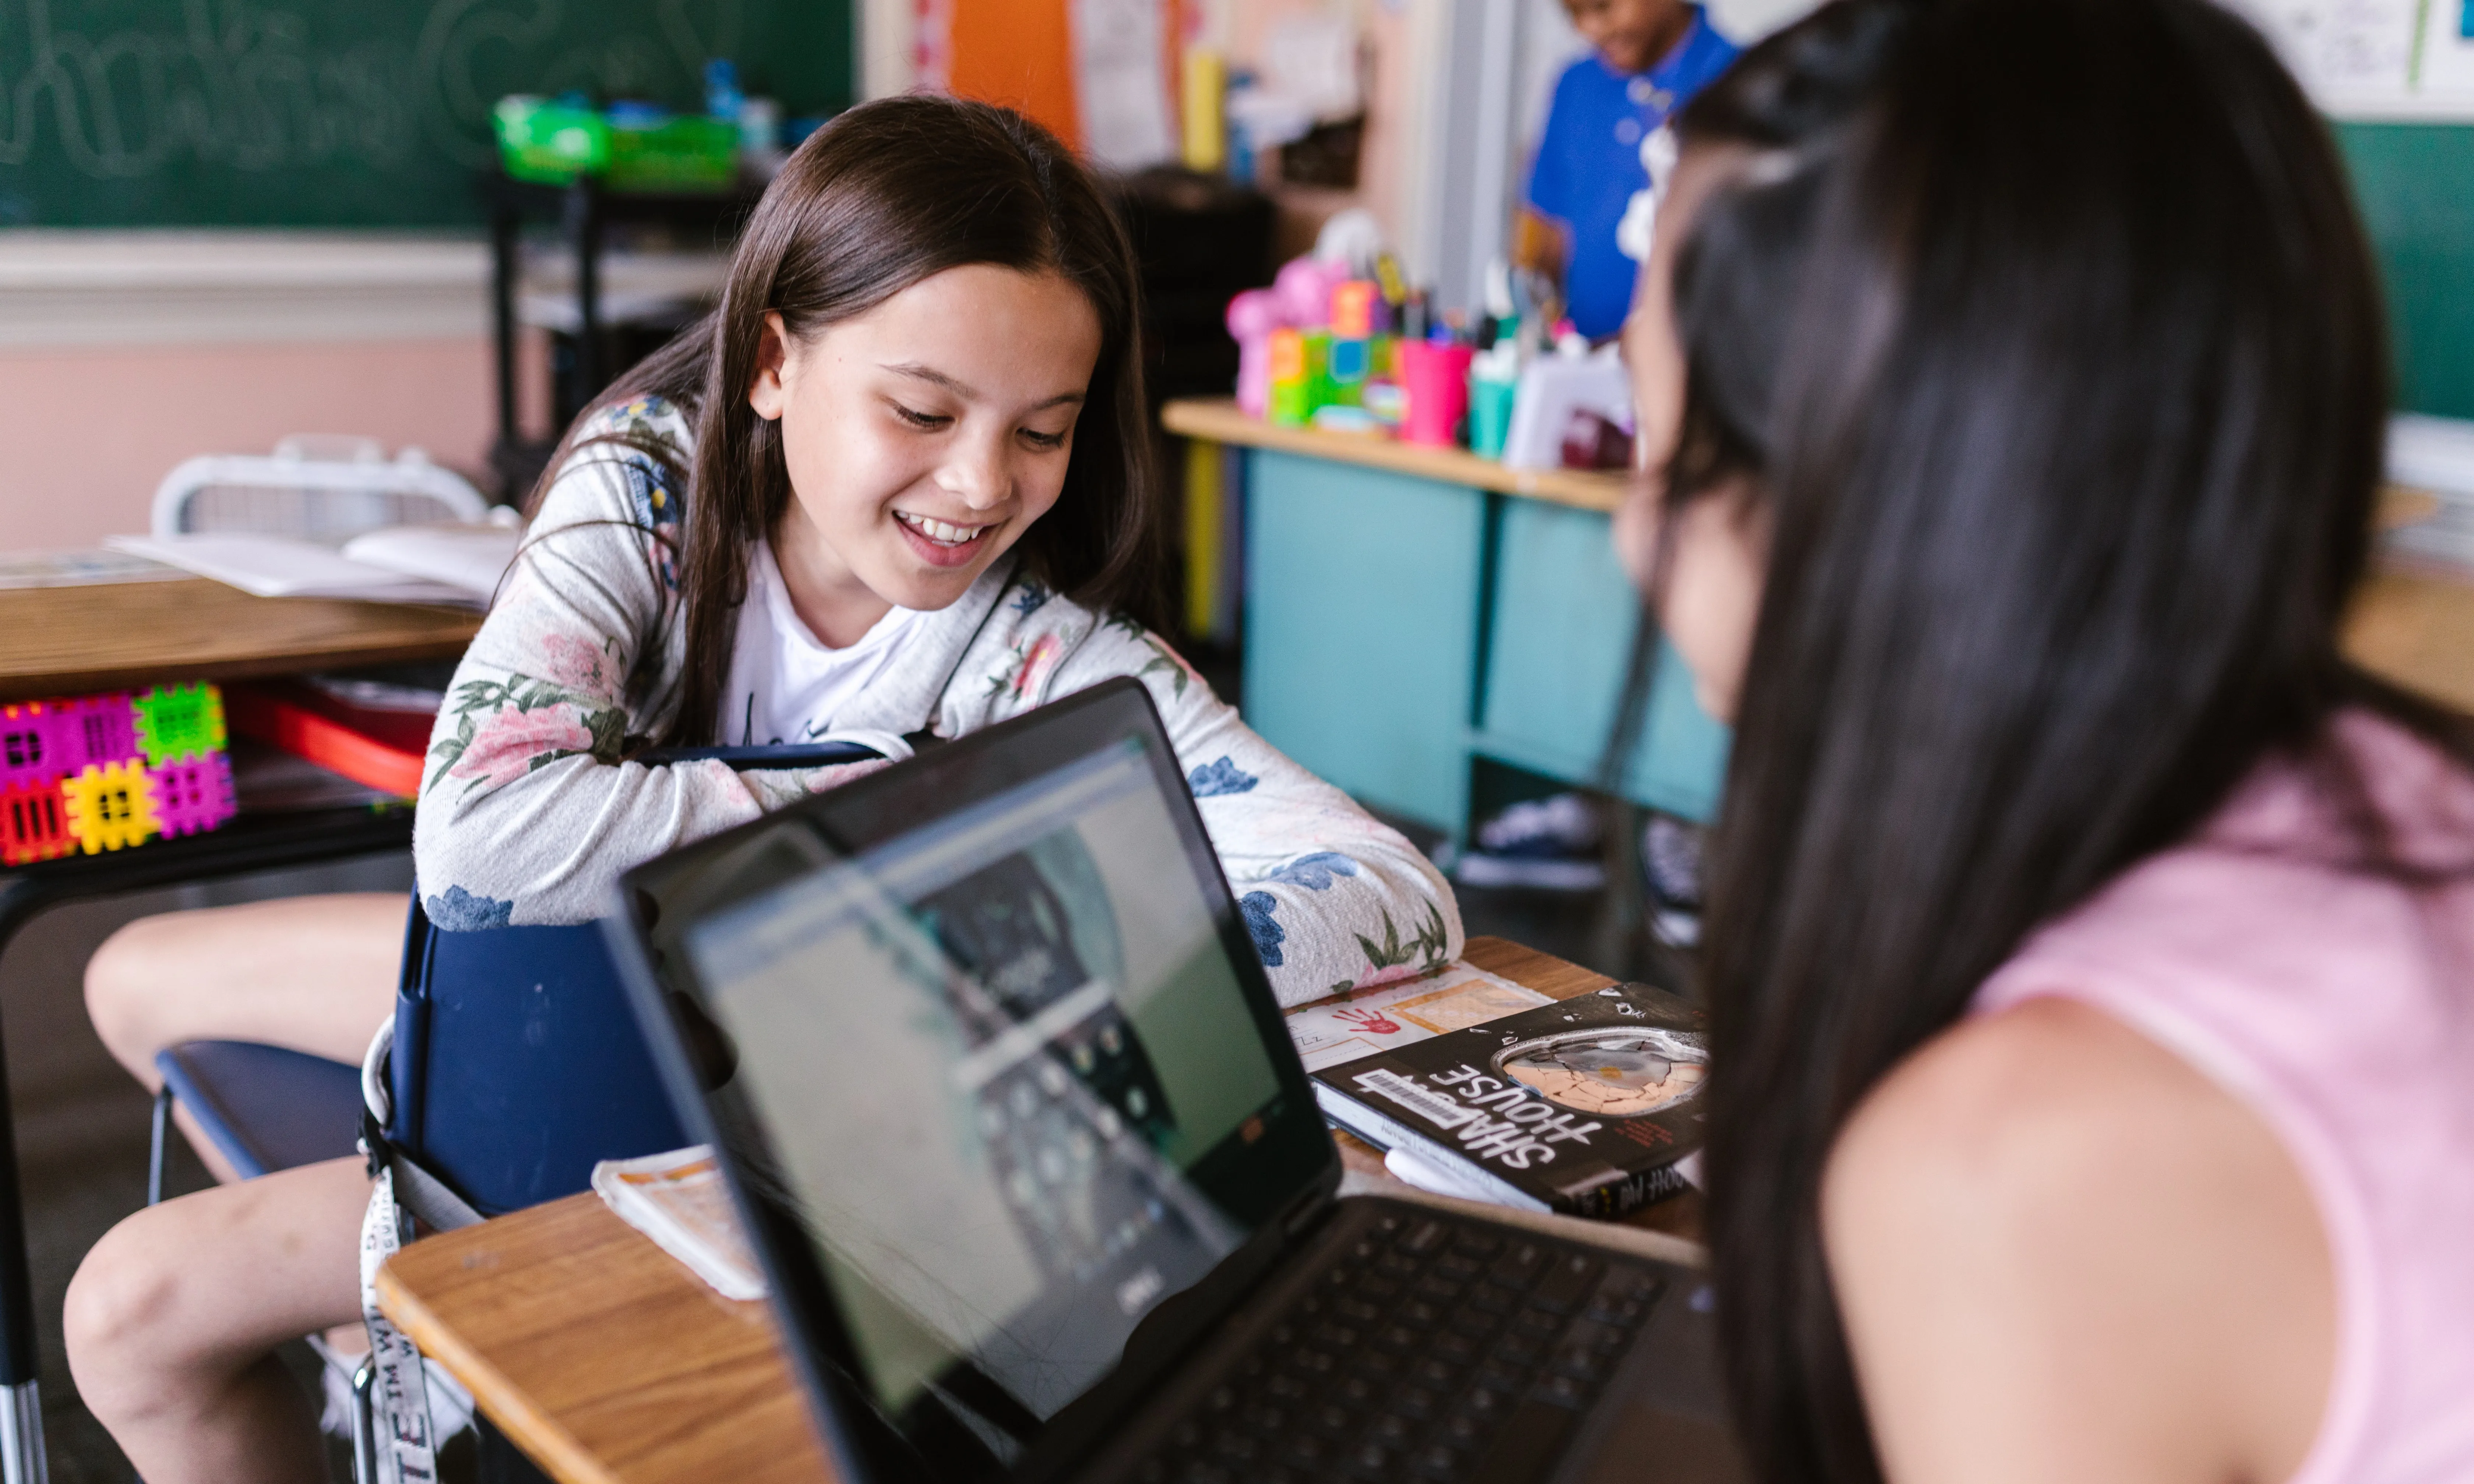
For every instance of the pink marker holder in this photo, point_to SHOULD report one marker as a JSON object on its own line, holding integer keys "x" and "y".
{"x": 1435, "y": 379}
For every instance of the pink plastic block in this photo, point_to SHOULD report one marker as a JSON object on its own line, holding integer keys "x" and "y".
{"x": 98, "y": 729}
{"x": 29, "y": 756}
{"x": 42, "y": 742}
{"x": 194, "y": 795}
{"x": 1252, "y": 317}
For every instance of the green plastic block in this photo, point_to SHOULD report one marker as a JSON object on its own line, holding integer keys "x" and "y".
{"x": 175, "y": 722}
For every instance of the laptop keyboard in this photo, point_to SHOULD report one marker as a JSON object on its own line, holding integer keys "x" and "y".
{"x": 1427, "y": 1350}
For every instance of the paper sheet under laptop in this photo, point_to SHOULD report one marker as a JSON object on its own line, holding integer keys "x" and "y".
{"x": 458, "y": 564}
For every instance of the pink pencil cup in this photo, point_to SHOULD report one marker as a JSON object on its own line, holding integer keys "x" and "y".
{"x": 1434, "y": 378}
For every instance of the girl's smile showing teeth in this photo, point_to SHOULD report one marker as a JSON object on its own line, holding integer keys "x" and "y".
{"x": 941, "y": 542}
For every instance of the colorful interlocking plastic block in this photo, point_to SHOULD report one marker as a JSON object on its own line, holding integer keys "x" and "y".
{"x": 192, "y": 797}
{"x": 180, "y": 721}
{"x": 107, "y": 771}
{"x": 111, "y": 808}
{"x": 33, "y": 827}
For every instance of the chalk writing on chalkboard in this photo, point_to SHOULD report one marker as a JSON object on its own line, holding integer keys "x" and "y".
{"x": 260, "y": 88}
{"x": 347, "y": 112}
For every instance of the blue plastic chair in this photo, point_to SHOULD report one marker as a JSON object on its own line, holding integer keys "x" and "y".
{"x": 265, "y": 1108}
{"x": 515, "y": 1066}
{"x": 518, "y": 1064}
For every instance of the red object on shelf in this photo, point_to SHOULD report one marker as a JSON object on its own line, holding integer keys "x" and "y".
{"x": 378, "y": 748}
{"x": 33, "y": 826}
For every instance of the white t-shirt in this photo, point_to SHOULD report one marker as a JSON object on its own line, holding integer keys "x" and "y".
{"x": 784, "y": 685}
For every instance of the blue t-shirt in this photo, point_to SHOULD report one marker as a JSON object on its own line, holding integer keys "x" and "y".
{"x": 1589, "y": 162}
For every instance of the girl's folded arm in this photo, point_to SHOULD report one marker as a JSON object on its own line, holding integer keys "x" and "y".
{"x": 526, "y": 813}
{"x": 1333, "y": 897}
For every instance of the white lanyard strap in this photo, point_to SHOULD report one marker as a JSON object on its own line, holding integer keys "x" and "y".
{"x": 406, "y": 1453}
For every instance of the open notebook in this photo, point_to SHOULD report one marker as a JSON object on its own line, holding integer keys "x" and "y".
{"x": 457, "y": 565}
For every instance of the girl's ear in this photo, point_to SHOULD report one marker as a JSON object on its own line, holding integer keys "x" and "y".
{"x": 769, "y": 393}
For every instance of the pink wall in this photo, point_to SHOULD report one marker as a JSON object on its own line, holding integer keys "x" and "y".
{"x": 93, "y": 429}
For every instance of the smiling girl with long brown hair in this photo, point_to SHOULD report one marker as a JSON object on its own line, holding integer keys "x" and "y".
{"x": 894, "y": 488}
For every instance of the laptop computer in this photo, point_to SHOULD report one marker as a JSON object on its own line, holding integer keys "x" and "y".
{"x": 1037, "y": 1179}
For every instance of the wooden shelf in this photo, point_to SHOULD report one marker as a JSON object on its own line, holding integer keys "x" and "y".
{"x": 66, "y": 641}
{"x": 1218, "y": 419}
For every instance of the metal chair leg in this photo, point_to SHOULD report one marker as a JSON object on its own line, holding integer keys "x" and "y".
{"x": 22, "y": 1459}
{"x": 364, "y": 1442}
{"x": 155, "y": 1154}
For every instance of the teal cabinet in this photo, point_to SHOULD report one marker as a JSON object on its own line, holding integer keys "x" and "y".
{"x": 1361, "y": 628}
{"x": 1398, "y": 629}
{"x": 1561, "y": 624}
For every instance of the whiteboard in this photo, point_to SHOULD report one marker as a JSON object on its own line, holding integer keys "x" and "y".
{"x": 2357, "y": 59}
{"x": 2376, "y": 58}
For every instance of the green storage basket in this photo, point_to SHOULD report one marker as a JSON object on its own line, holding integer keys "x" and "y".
{"x": 552, "y": 143}
{"x": 547, "y": 142}
{"x": 689, "y": 152}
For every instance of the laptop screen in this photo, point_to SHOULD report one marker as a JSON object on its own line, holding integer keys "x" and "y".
{"x": 998, "y": 1063}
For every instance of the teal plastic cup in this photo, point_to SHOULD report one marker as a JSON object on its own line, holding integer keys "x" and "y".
{"x": 1490, "y": 414}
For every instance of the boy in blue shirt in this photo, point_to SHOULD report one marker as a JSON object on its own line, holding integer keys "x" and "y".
{"x": 1650, "y": 57}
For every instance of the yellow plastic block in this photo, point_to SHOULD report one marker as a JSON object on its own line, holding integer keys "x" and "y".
{"x": 110, "y": 807}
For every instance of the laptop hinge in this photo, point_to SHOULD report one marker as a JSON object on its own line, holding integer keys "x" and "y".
{"x": 1307, "y": 1213}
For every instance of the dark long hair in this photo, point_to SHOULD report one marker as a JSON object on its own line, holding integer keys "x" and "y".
{"x": 885, "y": 196}
{"x": 2046, "y": 334}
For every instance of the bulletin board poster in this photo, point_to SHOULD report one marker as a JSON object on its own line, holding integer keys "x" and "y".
{"x": 2377, "y": 60}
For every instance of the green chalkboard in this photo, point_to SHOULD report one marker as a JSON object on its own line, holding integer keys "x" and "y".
{"x": 345, "y": 112}
{"x": 2415, "y": 182}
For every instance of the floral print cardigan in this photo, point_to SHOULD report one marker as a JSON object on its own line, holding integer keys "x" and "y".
{"x": 528, "y": 815}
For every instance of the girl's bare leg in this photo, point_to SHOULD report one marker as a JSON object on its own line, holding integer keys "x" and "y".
{"x": 308, "y": 974}
{"x": 311, "y": 973}
{"x": 173, "y": 1317}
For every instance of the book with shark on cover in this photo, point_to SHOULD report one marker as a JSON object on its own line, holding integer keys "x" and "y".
{"x": 1581, "y": 1107}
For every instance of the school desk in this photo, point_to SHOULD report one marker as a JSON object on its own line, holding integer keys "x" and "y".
{"x": 610, "y": 1363}
{"x": 1411, "y": 613}
{"x": 2415, "y": 625}
{"x": 112, "y": 635}
{"x": 68, "y": 640}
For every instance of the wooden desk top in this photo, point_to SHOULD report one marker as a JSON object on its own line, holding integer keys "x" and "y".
{"x": 65, "y": 640}
{"x": 1218, "y": 419}
{"x": 2416, "y": 628}
{"x": 610, "y": 1363}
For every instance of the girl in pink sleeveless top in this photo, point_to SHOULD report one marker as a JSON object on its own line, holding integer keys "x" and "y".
{"x": 2335, "y": 998}
{"x": 2090, "y": 949}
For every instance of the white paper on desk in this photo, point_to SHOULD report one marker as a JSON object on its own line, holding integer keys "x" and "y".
{"x": 473, "y": 558}
{"x": 1330, "y": 1032}
{"x": 278, "y": 567}
{"x": 79, "y": 569}
{"x": 678, "y": 1200}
